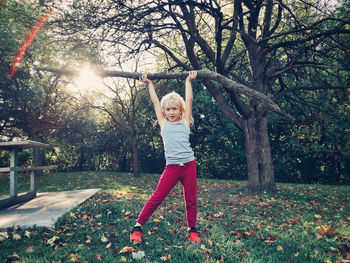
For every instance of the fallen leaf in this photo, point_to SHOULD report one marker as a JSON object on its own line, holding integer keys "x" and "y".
{"x": 326, "y": 230}
{"x": 293, "y": 222}
{"x": 250, "y": 233}
{"x": 109, "y": 245}
{"x": 138, "y": 255}
{"x": 127, "y": 250}
{"x": 319, "y": 237}
{"x": 73, "y": 258}
{"x": 166, "y": 257}
{"x": 88, "y": 239}
{"x": 318, "y": 216}
{"x": 98, "y": 257}
{"x": 206, "y": 249}
{"x": 30, "y": 249}
{"x": 123, "y": 259}
{"x": 219, "y": 214}
{"x": 239, "y": 242}
{"x": 27, "y": 233}
{"x": 3, "y": 236}
{"x": 279, "y": 248}
{"x": 103, "y": 239}
{"x": 180, "y": 247}
{"x": 16, "y": 236}
{"x": 52, "y": 240}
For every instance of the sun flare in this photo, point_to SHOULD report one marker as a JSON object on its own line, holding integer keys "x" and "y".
{"x": 87, "y": 82}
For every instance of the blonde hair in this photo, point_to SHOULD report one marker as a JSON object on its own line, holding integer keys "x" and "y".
{"x": 171, "y": 99}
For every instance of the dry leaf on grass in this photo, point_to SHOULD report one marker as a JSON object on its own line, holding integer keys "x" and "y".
{"x": 209, "y": 250}
{"x": 103, "y": 239}
{"x": 30, "y": 249}
{"x": 127, "y": 250}
{"x": 98, "y": 257}
{"x": 279, "y": 248}
{"x": 3, "y": 236}
{"x": 27, "y": 233}
{"x": 16, "y": 236}
{"x": 166, "y": 257}
{"x": 138, "y": 255}
{"x": 52, "y": 240}
{"x": 73, "y": 258}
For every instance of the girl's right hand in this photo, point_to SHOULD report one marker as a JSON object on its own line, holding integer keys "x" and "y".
{"x": 144, "y": 79}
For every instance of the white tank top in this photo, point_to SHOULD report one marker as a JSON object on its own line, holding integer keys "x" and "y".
{"x": 176, "y": 143}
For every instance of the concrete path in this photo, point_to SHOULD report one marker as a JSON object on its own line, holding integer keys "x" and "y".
{"x": 45, "y": 209}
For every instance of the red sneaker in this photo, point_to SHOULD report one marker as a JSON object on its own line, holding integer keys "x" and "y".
{"x": 136, "y": 237}
{"x": 194, "y": 237}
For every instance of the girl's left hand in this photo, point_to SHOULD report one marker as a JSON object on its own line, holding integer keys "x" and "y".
{"x": 192, "y": 75}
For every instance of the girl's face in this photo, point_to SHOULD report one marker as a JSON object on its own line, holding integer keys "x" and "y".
{"x": 173, "y": 113}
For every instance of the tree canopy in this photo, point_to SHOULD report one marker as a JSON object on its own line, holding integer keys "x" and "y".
{"x": 254, "y": 58}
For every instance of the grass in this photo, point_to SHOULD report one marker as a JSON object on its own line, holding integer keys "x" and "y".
{"x": 298, "y": 223}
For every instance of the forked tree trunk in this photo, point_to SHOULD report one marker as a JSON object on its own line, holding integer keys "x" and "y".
{"x": 258, "y": 153}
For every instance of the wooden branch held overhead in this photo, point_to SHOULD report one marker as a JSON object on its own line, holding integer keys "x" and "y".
{"x": 263, "y": 100}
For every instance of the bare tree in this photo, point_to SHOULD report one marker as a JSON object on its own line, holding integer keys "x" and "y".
{"x": 124, "y": 105}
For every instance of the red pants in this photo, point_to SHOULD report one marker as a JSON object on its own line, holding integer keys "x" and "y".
{"x": 187, "y": 175}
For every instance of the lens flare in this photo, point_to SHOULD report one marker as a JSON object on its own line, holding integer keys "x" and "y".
{"x": 17, "y": 59}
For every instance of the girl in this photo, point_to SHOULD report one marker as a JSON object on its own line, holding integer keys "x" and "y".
{"x": 174, "y": 116}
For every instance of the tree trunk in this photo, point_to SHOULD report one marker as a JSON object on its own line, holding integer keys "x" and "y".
{"x": 81, "y": 160}
{"x": 37, "y": 156}
{"x": 135, "y": 158}
{"x": 258, "y": 153}
{"x": 37, "y": 160}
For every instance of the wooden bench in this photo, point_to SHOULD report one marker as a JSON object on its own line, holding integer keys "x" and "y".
{"x": 12, "y": 200}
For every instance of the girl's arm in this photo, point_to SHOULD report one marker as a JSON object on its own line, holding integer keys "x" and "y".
{"x": 155, "y": 100}
{"x": 189, "y": 98}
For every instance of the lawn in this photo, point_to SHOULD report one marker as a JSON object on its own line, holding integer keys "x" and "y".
{"x": 298, "y": 223}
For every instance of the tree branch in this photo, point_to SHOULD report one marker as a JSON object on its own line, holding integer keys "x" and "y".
{"x": 260, "y": 98}
{"x": 304, "y": 65}
{"x": 300, "y": 88}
